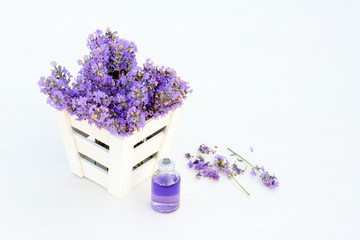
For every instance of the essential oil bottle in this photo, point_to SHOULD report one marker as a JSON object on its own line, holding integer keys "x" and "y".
{"x": 165, "y": 187}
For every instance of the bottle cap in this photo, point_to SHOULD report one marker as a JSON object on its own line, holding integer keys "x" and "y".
{"x": 166, "y": 165}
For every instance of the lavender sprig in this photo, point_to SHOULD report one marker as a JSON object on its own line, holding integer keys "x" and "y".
{"x": 205, "y": 169}
{"x": 223, "y": 165}
{"x": 269, "y": 180}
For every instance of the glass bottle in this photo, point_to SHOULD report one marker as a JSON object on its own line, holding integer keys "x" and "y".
{"x": 165, "y": 187}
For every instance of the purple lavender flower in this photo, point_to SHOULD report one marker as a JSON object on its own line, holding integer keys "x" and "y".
{"x": 111, "y": 90}
{"x": 222, "y": 164}
{"x": 205, "y": 169}
{"x": 204, "y": 149}
{"x": 190, "y": 164}
{"x": 200, "y": 164}
{"x": 188, "y": 155}
{"x": 270, "y": 181}
{"x": 237, "y": 170}
{"x": 210, "y": 173}
{"x": 98, "y": 32}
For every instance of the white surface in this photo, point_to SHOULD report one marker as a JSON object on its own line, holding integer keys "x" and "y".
{"x": 280, "y": 76}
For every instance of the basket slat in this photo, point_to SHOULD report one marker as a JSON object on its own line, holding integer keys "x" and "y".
{"x": 69, "y": 143}
{"x": 92, "y": 150}
{"x": 164, "y": 148}
{"x": 92, "y": 130}
{"x": 148, "y": 148}
{"x": 94, "y": 173}
{"x": 150, "y": 127}
{"x": 143, "y": 172}
{"x": 120, "y": 166}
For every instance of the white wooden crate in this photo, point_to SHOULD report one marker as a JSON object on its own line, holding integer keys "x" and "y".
{"x": 127, "y": 162}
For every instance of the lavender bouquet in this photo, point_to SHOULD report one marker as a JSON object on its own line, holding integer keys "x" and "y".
{"x": 111, "y": 90}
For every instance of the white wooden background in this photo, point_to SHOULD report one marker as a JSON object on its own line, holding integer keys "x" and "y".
{"x": 279, "y": 76}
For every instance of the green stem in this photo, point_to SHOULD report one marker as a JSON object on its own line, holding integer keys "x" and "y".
{"x": 244, "y": 160}
{"x": 240, "y": 186}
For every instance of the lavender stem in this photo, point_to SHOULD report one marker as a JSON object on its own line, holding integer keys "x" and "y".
{"x": 240, "y": 186}
{"x": 244, "y": 160}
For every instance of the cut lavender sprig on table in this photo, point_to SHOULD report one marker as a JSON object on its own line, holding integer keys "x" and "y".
{"x": 223, "y": 165}
{"x": 237, "y": 170}
{"x": 205, "y": 169}
{"x": 269, "y": 180}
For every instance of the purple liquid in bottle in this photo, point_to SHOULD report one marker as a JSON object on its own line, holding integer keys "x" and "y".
{"x": 165, "y": 188}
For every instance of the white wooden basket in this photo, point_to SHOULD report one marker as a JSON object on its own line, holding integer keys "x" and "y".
{"x": 127, "y": 162}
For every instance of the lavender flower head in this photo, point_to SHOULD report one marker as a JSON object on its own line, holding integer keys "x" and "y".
{"x": 205, "y": 169}
{"x": 236, "y": 170}
{"x": 270, "y": 181}
{"x": 205, "y": 149}
{"x": 222, "y": 164}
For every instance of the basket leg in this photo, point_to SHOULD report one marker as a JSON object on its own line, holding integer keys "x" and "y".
{"x": 120, "y": 166}
{"x": 69, "y": 143}
{"x": 168, "y": 137}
